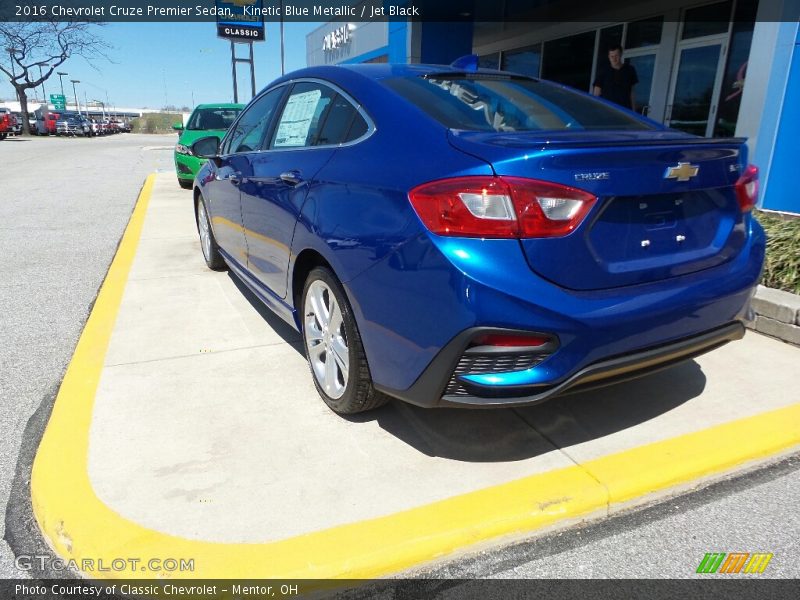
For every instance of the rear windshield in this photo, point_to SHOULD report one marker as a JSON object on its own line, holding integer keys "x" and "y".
{"x": 498, "y": 103}
{"x": 213, "y": 118}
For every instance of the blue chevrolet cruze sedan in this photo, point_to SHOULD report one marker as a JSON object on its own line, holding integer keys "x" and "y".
{"x": 451, "y": 236}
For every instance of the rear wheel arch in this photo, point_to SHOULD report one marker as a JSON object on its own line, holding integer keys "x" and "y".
{"x": 305, "y": 262}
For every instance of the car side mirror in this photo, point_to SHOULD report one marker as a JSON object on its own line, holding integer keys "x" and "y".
{"x": 206, "y": 147}
{"x": 177, "y": 126}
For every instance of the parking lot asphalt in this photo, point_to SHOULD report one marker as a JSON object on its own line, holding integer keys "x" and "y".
{"x": 187, "y": 423}
{"x": 64, "y": 204}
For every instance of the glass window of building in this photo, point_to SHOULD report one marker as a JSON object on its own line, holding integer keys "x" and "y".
{"x": 525, "y": 61}
{"x": 645, "y": 66}
{"x": 489, "y": 61}
{"x": 646, "y": 32}
{"x": 736, "y": 68}
{"x": 569, "y": 60}
{"x": 609, "y": 37}
{"x": 710, "y": 19}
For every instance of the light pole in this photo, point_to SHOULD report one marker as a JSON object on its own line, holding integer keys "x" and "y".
{"x": 60, "y": 75}
{"x": 75, "y": 91}
{"x": 192, "y": 88}
{"x": 44, "y": 92}
{"x": 103, "y": 104}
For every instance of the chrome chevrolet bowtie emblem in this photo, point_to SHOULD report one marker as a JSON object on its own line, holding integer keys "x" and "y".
{"x": 682, "y": 172}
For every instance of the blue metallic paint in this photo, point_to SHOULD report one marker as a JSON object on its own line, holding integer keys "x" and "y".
{"x": 412, "y": 292}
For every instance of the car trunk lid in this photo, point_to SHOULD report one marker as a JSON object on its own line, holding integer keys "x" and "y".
{"x": 666, "y": 205}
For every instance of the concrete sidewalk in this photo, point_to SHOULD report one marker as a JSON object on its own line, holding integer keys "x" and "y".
{"x": 203, "y": 426}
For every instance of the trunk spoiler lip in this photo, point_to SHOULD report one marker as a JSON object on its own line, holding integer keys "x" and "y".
{"x": 475, "y": 137}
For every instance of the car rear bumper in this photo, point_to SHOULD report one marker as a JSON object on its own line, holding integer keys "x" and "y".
{"x": 416, "y": 336}
{"x": 426, "y": 392}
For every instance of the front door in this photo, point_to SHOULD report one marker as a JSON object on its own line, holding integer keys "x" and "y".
{"x": 696, "y": 81}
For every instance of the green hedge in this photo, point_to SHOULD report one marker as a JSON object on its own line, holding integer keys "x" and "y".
{"x": 155, "y": 123}
{"x": 782, "y": 268}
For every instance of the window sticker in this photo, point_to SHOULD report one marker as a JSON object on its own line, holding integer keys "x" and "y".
{"x": 296, "y": 119}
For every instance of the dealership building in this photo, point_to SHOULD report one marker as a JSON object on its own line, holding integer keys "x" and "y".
{"x": 692, "y": 60}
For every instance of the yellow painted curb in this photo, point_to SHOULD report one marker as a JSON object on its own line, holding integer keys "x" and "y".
{"x": 80, "y": 526}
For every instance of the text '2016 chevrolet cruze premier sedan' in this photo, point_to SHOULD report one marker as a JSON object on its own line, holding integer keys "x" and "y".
{"x": 458, "y": 237}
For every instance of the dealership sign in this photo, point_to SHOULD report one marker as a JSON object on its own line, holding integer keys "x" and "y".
{"x": 240, "y": 20}
{"x": 336, "y": 39}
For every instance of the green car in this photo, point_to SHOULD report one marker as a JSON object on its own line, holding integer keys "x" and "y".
{"x": 206, "y": 119}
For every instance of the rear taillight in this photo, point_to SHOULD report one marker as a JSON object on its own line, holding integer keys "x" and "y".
{"x": 747, "y": 189}
{"x": 500, "y": 207}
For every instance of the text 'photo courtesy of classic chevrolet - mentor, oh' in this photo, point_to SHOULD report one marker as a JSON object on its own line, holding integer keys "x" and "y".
{"x": 454, "y": 236}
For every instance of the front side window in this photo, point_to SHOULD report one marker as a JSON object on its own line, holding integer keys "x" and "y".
{"x": 506, "y": 103}
{"x": 204, "y": 119}
{"x": 248, "y": 133}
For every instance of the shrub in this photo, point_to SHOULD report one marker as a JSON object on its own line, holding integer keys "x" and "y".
{"x": 782, "y": 268}
{"x": 155, "y": 123}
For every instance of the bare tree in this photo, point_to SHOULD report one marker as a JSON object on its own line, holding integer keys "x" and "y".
{"x": 46, "y": 46}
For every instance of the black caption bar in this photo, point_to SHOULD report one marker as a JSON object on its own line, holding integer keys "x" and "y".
{"x": 350, "y": 10}
{"x": 407, "y": 589}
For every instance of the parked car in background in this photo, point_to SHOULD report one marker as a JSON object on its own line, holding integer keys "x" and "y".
{"x": 73, "y": 124}
{"x": 527, "y": 239}
{"x": 205, "y": 120}
{"x": 46, "y": 122}
{"x": 6, "y": 123}
{"x": 16, "y": 128}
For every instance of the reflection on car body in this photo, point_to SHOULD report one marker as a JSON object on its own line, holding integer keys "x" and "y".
{"x": 459, "y": 237}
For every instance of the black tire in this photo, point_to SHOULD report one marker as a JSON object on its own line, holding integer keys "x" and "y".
{"x": 185, "y": 184}
{"x": 209, "y": 246}
{"x": 358, "y": 393}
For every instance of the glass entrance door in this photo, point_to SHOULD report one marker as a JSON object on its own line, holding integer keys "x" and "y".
{"x": 644, "y": 63}
{"x": 695, "y": 87}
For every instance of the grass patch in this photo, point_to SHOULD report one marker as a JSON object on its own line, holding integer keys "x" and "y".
{"x": 155, "y": 123}
{"x": 782, "y": 268}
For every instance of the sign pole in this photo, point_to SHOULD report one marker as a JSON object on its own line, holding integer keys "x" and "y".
{"x": 233, "y": 72}
{"x": 283, "y": 63}
{"x": 252, "y": 73}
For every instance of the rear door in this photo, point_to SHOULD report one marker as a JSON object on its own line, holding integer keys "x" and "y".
{"x": 313, "y": 121}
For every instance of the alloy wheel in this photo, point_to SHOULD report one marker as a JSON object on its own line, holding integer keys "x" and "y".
{"x": 326, "y": 339}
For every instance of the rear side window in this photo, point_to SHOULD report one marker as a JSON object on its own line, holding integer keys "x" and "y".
{"x": 342, "y": 124}
{"x": 492, "y": 103}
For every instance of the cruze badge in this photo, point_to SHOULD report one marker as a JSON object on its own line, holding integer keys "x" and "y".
{"x": 682, "y": 172}
{"x": 592, "y": 176}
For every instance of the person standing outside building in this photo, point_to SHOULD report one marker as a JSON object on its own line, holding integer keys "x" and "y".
{"x": 615, "y": 82}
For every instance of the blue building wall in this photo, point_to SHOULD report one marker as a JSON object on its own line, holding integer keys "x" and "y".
{"x": 442, "y": 43}
{"x": 780, "y": 191}
{"x": 398, "y": 41}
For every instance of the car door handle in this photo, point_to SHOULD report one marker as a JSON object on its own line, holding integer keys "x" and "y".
{"x": 291, "y": 177}
{"x": 235, "y": 178}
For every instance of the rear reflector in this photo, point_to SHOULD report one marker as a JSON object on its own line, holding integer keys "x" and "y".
{"x": 510, "y": 341}
{"x": 500, "y": 207}
{"x": 747, "y": 189}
